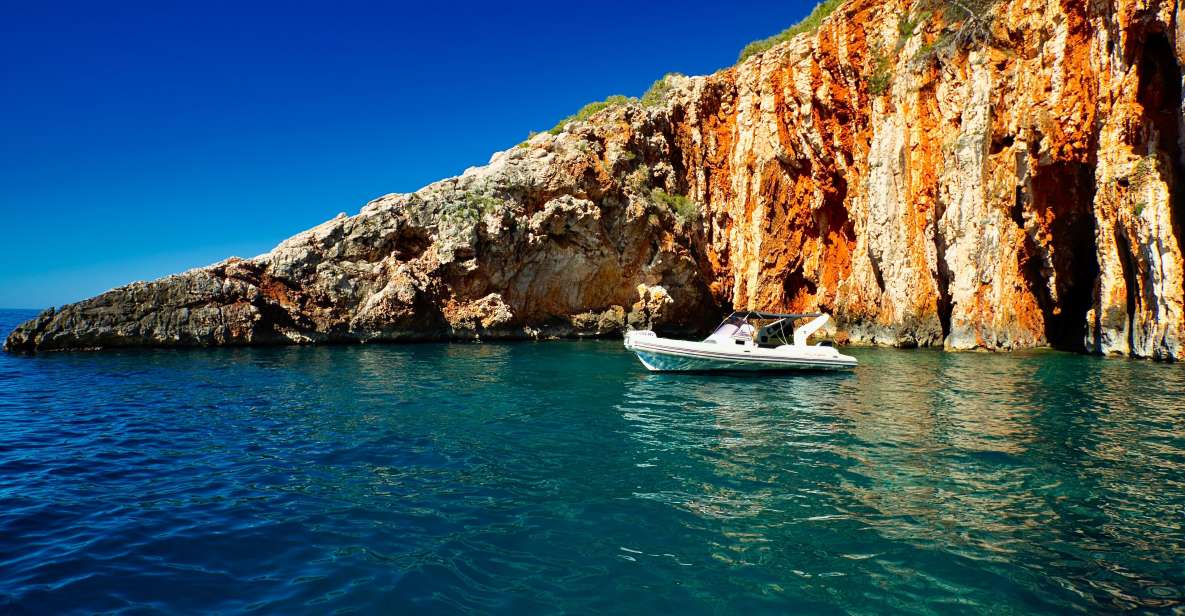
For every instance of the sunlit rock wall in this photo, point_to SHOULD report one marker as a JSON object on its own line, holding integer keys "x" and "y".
{"x": 1021, "y": 192}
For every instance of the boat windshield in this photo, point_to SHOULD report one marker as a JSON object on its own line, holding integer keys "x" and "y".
{"x": 730, "y": 326}
{"x": 733, "y": 326}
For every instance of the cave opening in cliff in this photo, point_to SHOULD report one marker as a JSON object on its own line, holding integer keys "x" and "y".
{"x": 1159, "y": 93}
{"x": 1063, "y": 197}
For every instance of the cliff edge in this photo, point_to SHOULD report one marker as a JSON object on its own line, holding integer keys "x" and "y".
{"x": 1001, "y": 180}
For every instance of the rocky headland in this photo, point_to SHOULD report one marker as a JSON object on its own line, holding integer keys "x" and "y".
{"x": 1000, "y": 175}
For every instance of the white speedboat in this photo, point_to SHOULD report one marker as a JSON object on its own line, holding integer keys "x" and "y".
{"x": 744, "y": 341}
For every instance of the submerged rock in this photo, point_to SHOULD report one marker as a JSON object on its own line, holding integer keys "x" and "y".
{"x": 1022, "y": 191}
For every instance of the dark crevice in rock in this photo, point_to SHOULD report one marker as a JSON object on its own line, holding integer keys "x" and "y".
{"x": 876, "y": 271}
{"x": 1063, "y": 197}
{"x": 1030, "y": 262}
{"x": 1130, "y": 283}
{"x": 1018, "y": 208}
{"x": 412, "y": 244}
{"x": 1001, "y": 143}
{"x": 798, "y": 290}
{"x": 833, "y": 216}
{"x": 670, "y": 132}
{"x": 943, "y": 274}
{"x": 1160, "y": 94}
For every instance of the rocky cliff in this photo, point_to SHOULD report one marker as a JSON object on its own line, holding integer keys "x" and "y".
{"x": 1017, "y": 189}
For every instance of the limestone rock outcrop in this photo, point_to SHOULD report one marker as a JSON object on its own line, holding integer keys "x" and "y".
{"x": 1028, "y": 191}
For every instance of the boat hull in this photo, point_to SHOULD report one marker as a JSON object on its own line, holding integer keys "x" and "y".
{"x": 663, "y": 355}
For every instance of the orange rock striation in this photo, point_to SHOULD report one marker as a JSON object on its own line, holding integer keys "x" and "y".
{"x": 1019, "y": 194}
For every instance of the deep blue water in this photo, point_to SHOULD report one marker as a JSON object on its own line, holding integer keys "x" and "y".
{"x": 560, "y": 476}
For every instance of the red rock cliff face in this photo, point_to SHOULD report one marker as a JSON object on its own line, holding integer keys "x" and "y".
{"x": 1019, "y": 194}
{"x": 1025, "y": 192}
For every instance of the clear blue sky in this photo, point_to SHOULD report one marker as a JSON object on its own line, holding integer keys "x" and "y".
{"x": 138, "y": 140}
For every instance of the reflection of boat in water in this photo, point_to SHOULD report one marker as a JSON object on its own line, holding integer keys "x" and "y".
{"x": 744, "y": 341}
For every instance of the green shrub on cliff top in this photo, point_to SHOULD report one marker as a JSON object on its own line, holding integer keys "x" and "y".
{"x": 657, "y": 94}
{"x": 810, "y": 24}
{"x": 591, "y": 109}
{"x": 654, "y": 96}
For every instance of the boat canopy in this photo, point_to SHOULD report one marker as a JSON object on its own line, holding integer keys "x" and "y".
{"x": 771, "y": 316}
{"x": 764, "y": 328}
{"x": 739, "y": 322}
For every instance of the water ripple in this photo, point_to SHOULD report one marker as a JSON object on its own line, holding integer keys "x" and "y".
{"x": 563, "y": 477}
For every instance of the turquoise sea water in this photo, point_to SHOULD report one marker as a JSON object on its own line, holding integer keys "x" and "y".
{"x": 562, "y": 477}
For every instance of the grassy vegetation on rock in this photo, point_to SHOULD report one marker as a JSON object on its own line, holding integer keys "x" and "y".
{"x": 810, "y": 24}
{"x": 908, "y": 26}
{"x": 685, "y": 209}
{"x": 591, "y": 109}
{"x": 1144, "y": 168}
{"x": 881, "y": 79}
{"x": 659, "y": 90}
{"x": 967, "y": 24}
{"x": 470, "y": 206}
{"x": 638, "y": 179}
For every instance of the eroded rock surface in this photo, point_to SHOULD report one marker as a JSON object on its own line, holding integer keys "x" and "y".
{"x": 1016, "y": 194}
{"x": 544, "y": 241}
